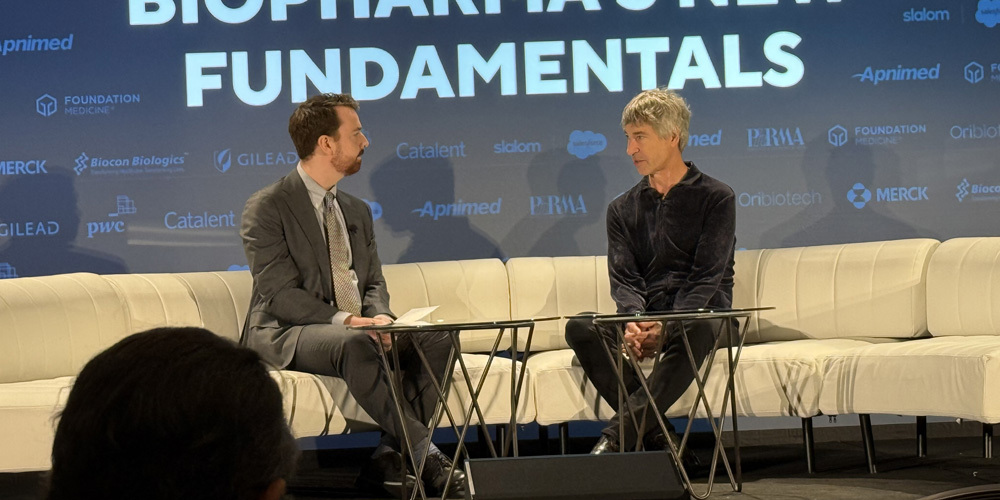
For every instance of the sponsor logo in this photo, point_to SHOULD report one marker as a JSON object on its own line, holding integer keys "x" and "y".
{"x": 516, "y": 146}
{"x": 129, "y": 165}
{"x": 773, "y": 137}
{"x": 86, "y": 104}
{"x": 761, "y": 199}
{"x": 583, "y": 144}
{"x": 558, "y": 205}
{"x": 32, "y": 44}
{"x": 974, "y": 72}
{"x": 123, "y": 206}
{"x": 22, "y": 167}
{"x": 46, "y": 105}
{"x": 28, "y": 229}
{"x": 860, "y": 196}
{"x": 376, "y": 208}
{"x": 977, "y": 192}
{"x": 898, "y": 74}
{"x": 7, "y": 271}
{"x": 204, "y": 220}
{"x": 988, "y": 13}
{"x": 975, "y": 131}
{"x": 704, "y": 140}
{"x": 223, "y": 160}
{"x": 837, "y": 135}
{"x": 458, "y": 209}
{"x": 407, "y": 151}
{"x": 875, "y": 135}
{"x": 926, "y": 15}
{"x": 237, "y": 267}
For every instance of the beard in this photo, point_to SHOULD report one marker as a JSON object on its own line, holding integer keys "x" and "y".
{"x": 348, "y": 166}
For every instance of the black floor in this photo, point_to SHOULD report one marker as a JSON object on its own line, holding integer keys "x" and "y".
{"x": 769, "y": 472}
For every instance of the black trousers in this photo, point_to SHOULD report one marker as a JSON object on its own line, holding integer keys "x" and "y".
{"x": 673, "y": 374}
{"x": 353, "y": 356}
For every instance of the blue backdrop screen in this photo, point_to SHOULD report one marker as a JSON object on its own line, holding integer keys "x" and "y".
{"x": 133, "y": 132}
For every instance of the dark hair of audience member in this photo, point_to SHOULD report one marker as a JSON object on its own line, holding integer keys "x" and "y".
{"x": 172, "y": 413}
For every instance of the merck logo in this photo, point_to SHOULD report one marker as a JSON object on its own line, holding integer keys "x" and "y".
{"x": 859, "y": 195}
{"x": 81, "y": 163}
{"x": 837, "y": 136}
{"x": 46, "y": 105}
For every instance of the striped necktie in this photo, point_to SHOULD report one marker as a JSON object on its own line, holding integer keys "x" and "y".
{"x": 346, "y": 293}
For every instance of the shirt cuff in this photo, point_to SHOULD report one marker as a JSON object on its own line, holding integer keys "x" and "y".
{"x": 340, "y": 318}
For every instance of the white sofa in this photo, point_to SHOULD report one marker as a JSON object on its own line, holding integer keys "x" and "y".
{"x": 835, "y": 305}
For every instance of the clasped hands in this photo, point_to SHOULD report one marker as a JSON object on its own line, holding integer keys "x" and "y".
{"x": 384, "y": 337}
{"x": 642, "y": 338}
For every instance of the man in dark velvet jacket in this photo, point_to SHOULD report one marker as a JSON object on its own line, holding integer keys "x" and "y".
{"x": 670, "y": 247}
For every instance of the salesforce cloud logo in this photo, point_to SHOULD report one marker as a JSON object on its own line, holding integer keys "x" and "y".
{"x": 46, "y": 105}
{"x": 859, "y": 195}
{"x": 237, "y": 267}
{"x": 584, "y": 144}
{"x": 223, "y": 160}
{"x": 988, "y": 13}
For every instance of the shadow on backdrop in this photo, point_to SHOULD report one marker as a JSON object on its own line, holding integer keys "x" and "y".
{"x": 853, "y": 215}
{"x": 567, "y": 205}
{"x": 420, "y": 200}
{"x": 39, "y": 223}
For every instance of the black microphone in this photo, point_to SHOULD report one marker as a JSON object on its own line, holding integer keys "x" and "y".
{"x": 352, "y": 229}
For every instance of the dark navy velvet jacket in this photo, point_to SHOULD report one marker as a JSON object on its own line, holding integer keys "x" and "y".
{"x": 673, "y": 252}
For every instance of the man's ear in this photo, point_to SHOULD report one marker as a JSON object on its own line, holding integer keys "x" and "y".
{"x": 274, "y": 491}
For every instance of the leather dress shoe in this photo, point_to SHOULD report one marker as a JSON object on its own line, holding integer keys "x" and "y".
{"x": 435, "y": 476}
{"x": 605, "y": 445}
{"x": 384, "y": 475}
{"x": 658, "y": 442}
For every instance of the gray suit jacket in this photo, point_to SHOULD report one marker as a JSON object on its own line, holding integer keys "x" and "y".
{"x": 288, "y": 256}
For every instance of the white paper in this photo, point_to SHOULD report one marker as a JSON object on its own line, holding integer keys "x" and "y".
{"x": 413, "y": 316}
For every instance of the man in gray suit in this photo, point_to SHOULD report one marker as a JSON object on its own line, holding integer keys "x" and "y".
{"x": 311, "y": 249}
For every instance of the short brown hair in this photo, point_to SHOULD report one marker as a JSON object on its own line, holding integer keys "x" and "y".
{"x": 316, "y": 116}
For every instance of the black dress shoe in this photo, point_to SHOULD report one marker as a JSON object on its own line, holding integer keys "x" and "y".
{"x": 605, "y": 445}
{"x": 384, "y": 475}
{"x": 435, "y": 476}
{"x": 658, "y": 442}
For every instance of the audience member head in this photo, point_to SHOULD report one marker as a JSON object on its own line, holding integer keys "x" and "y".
{"x": 315, "y": 117}
{"x": 662, "y": 109}
{"x": 172, "y": 413}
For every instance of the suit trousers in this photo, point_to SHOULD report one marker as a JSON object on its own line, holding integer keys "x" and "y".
{"x": 673, "y": 374}
{"x": 353, "y": 356}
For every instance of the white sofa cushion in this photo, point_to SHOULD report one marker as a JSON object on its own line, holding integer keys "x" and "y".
{"x": 463, "y": 290}
{"x": 28, "y": 422}
{"x": 963, "y": 288}
{"x": 557, "y": 286}
{"x": 772, "y": 379}
{"x": 854, "y": 290}
{"x": 941, "y": 376}
{"x": 309, "y": 408}
{"x": 53, "y": 325}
